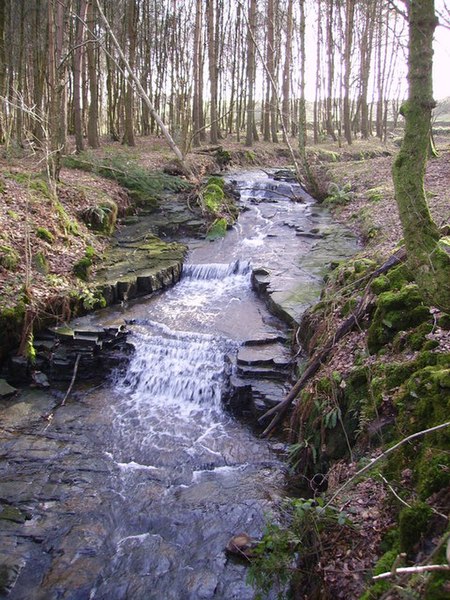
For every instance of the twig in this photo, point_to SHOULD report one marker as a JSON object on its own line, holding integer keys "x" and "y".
{"x": 75, "y": 370}
{"x": 416, "y": 569}
{"x": 436, "y": 512}
{"x": 394, "y": 492}
{"x": 383, "y": 455}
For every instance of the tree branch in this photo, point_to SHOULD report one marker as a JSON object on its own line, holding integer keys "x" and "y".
{"x": 382, "y": 456}
{"x": 417, "y": 569}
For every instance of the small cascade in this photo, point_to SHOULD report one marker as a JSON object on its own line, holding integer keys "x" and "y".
{"x": 171, "y": 368}
{"x": 216, "y": 271}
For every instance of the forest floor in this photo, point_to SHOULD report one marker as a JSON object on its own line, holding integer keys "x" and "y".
{"x": 26, "y": 206}
{"x": 41, "y": 238}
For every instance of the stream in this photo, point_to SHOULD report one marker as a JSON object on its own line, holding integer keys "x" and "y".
{"x": 133, "y": 489}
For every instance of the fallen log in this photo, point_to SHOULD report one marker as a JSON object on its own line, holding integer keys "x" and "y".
{"x": 318, "y": 359}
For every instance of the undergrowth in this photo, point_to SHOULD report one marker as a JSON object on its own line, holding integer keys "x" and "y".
{"x": 144, "y": 186}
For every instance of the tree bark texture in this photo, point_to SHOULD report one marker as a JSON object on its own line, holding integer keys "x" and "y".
{"x": 428, "y": 256}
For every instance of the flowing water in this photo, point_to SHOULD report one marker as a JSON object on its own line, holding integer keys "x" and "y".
{"x": 136, "y": 487}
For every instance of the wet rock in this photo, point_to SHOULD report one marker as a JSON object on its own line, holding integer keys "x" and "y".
{"x": 13, "y": 514}
{"x": 6, "y": 389}
{"x": 100, "y": 350}
{"x": 8, "y": 577}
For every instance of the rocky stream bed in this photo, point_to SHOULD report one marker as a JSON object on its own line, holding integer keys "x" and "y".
{"x": 132, "y": 486}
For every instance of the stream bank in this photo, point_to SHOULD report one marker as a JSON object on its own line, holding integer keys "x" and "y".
{"x": 148, "y": 474}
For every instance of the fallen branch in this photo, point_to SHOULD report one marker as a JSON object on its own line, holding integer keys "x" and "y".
{"x": 74, "y": 376}
{"x": 278, "y": 412}
{"x": 417, "y": 569}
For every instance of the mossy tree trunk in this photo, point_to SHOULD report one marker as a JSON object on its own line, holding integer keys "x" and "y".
{"x": 428, "y": 256}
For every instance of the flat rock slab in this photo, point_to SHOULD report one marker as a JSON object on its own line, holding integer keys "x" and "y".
{"x": 264, "y": 355}
{"x": 6, "y": 389}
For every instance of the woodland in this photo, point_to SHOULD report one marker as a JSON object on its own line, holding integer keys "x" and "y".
{"x": 105, "y": 106}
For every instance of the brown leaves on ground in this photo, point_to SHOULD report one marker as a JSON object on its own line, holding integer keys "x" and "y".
{"x": 350, "y": 553}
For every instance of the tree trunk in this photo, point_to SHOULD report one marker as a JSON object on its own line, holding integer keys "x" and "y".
{"x": 128, "y": 136}
{"x": 212, "y": 60}
{"x": 92, "y": 128}
{"x": 2, "y": 67}
{"x": 77, "y": 55}
{"x": 287, "y": 71}
{"x": 56, "y": 71}
{"x": 428, "y": 257}
{"x": 348, "y": 42}
{"x": 317, "y": 94}
{"x": 197, "y": 101}
{"x": 251, "y": 67}
{"x": 330, "y": 64}
{"x": 302, "y": 102}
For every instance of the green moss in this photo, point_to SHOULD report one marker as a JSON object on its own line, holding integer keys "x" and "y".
{"x": 69, "y": 226}
{"x": 396, "y": 311}
{"x": 413, "y": 524}
{"x": 417, "y": 338}
{"x": 399, "y": 276}
{"x": 250, "y": 156}
{"x": 143, "y": 186}
{"x": 9, "y": 258}
{"x": 349, "y": 306}
{"x": 214, "y": 180}
{"x": 13, "y": 215}
{"x": 213, "y": 196}
{"x": 45, "y": 234}
{"x": 380, "y": 587}
{"x": 380, "y": 284}
{"x": 375, "y": 194}
{"x": 82, "y": 268}
{"x": 444, "y": 322}
{"x": 364, "y": 265}
{"x": 11, "y": 513}
{"x": 223, "y": 158}
{"x": 11, "y": 322}
{"x": 40, "y": 263}
{"x": 433, "y": 472}
{"x": 32, "y": 182}
{"x": 218, "y": 229}
{"x": 90, "y": 252}
{"x": 438, "y": 583}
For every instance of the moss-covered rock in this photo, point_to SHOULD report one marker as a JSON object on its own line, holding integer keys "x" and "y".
{"x": 9, "y": 258}
{"x": 380, "y": 284}
{"x": 384, "y": 564}
{"x": 213, "y": 196}
{"x": 399, "y": 276}
{"x": 102, "y": 217}
{"x": 82, "y": 268}
{"x": 40, "y": 263}
{"x": 217, "y": 230}
{"x": 11, "y": 322}
{"x": 44, "y": 234}
{"x": 413, "y": 524}
{"x": 444, "y": 321}
{"x": 433, "y": 472}
{"x": 12, "y": 513}
{"x": 396, "y": 311}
